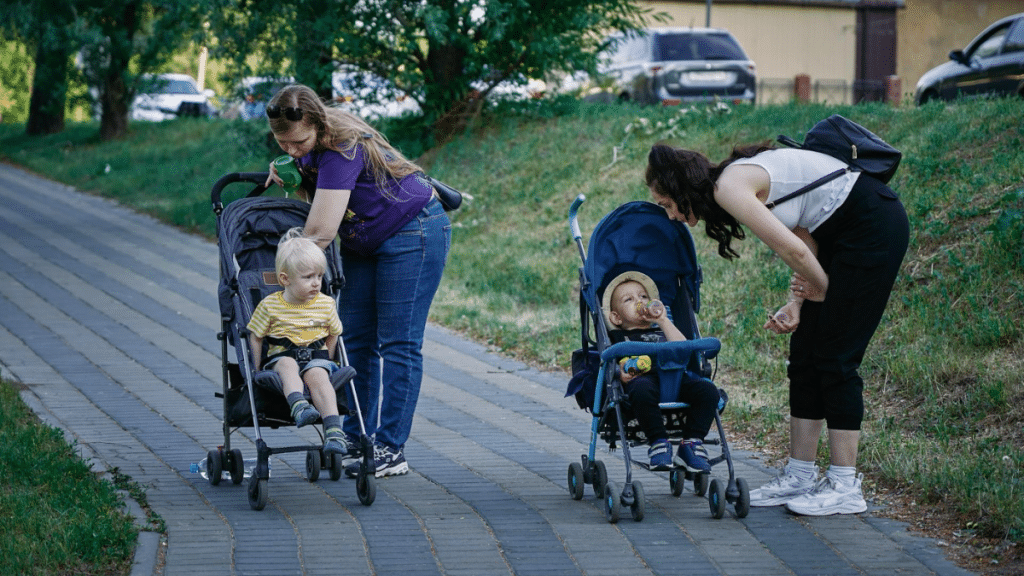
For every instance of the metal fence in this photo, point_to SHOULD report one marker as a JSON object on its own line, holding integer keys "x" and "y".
{"x": 782, "y": 90}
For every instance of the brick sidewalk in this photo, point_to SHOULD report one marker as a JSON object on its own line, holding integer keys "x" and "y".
{"x": 110, "y": 320}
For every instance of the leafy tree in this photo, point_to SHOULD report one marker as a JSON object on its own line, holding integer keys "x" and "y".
{"x": 43, "y": 26}
{"x": 14, "y": 88}
{"x": 124, "y": 39}
{"x": 447, "y": 54}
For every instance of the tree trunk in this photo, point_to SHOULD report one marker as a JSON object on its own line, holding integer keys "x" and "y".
{"x": 446, "y": 101}
{"x": 50, "y": 84}
{"x": 115, "y": 95}
{"x": 114, "y": 119}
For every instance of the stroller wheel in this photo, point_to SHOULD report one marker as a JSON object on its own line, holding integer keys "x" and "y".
{"x": 599, "y": 477}
{"x": 576, "y": 483}
{"x": 312, "y": 465}
{"x": 237, "y": 466}
{"x": 258, "y": 493}
{"x": 743, "y": 501}
{"x": 214, "y": 467}
{"x": 639, "y": 502}
{"x": 611, "y": 502}
{"x": 716, "y": 499}
{"x": 676, "y": 482}
{"x": 701, "y": 481}
{"x": 366, "y": 488}
{"x": 336, "y": 466}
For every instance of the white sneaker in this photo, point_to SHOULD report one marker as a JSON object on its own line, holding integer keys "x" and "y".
{"x": 831, "y": 496}
{"x": 782, "y": 489}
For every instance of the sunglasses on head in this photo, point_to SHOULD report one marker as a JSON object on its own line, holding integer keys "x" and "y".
{"x": 293, "y": 114}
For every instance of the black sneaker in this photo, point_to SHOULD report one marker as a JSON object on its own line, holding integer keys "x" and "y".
{"x": 387, "y": 461}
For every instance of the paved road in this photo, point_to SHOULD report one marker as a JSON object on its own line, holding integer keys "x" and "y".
{"x": 109, "y": 319}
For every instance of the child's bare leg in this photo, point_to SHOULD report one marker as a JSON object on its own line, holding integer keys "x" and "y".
{"x": 320, "y": 389}
{"x": 288, "y": 369}
{"x": 326, "y": 400}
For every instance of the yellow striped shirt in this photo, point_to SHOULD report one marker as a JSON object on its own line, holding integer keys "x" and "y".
{"x": 301, "y": 324}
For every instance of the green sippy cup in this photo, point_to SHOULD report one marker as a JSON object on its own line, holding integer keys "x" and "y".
{"x": 288, "y": 172}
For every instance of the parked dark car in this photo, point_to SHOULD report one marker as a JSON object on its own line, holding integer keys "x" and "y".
{"x": 671, "y": 66}
{"x": 992, "y": 64}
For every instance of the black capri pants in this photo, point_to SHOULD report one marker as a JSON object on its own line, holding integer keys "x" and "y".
{"x": 861, "y": 247}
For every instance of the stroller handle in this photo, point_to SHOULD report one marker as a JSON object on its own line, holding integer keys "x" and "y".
{"x": 258, "y": 178}
{"x": 574, "y": 224}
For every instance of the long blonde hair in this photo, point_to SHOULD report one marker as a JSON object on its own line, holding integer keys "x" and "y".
{"x": 340, "y": 131}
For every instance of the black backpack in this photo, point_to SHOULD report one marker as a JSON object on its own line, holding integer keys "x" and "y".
{"x": 849, "y": 142}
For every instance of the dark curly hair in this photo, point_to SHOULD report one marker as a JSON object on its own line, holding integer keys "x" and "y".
{"x": 688, "y": 178}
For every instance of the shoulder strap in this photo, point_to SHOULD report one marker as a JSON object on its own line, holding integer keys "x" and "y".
{"x": 824, "y": 179}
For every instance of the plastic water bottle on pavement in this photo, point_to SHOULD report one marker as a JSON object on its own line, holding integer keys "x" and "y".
{"x": 248, "y": 466}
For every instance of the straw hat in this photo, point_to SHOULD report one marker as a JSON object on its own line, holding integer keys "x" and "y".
{"x": 643, "y": 279}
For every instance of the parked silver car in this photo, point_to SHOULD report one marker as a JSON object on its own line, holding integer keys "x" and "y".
{"x": 992, "y": 64}
{"x": 671, "y": 66}
{"x": 168, "y": 96}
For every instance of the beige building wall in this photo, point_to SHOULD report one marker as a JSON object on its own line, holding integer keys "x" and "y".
{"x": 783, "y": 40}
{"x": 927, "y": 30}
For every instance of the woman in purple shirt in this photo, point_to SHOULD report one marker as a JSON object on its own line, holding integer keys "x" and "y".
{"x": 394, "y": 238}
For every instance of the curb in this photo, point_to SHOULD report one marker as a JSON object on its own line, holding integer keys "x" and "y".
{"x": 147, "y": 544}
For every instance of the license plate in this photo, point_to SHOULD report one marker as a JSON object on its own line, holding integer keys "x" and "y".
{"x": 710, "y": 77}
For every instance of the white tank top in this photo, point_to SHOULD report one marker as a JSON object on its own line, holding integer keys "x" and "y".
{"x": 789, "y": 169}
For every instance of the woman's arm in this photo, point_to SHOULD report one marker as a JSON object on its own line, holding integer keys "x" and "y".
{"x": 736, "y": 193}
{"x": 325, "y": 215}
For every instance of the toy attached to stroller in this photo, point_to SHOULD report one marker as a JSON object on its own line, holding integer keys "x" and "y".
{"x": 248, "y": 231}
{"x": 638, "y": 236}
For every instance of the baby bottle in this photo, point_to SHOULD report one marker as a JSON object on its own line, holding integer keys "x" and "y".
{"x": 652, "y": 308}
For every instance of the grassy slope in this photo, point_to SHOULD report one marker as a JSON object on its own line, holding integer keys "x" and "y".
{"x": 944, "y": 372}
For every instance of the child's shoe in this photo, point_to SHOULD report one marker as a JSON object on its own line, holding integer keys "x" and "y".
{"x": 304, "y": 413}
{"x": 660, "y": 454}
{"x": 693, "y": 456}
{"x": 336, "y": 443}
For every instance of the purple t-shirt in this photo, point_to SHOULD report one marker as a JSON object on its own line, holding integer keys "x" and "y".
{"x": 374, "y": 212}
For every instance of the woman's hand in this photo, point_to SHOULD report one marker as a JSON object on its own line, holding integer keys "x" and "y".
{"x": 273, "y": 178}
{"x": 786, "y": 319}
{"x": 803, "y": 288}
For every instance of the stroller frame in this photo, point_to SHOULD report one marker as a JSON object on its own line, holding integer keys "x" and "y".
{"x": 268, "y": 382}
{"x": 608, "y": 421}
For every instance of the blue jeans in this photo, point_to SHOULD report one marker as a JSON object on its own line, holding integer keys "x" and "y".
{"x": 383, "y": 308}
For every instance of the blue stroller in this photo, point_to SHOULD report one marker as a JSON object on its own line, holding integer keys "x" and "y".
{"x": 248, "y": 231}
{"x": 638, "y": 236}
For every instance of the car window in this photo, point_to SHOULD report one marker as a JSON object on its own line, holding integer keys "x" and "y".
{"x": 697, "y": 47}
{"x": 1015, "y": 41}
{"x": 990, "y": 45}
{"x": 179, "y": 87}
{"x": 632, "y": 48}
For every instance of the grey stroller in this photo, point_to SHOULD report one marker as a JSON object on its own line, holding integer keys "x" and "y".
{"x": 248, "y": 230}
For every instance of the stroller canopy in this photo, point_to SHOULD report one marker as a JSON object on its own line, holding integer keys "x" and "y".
{"x": 639, "y": 236}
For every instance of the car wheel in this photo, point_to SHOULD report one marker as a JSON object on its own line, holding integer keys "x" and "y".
{"x": 927, "y": 96}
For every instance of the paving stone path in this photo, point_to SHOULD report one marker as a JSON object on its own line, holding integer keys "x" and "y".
{"x": 110, "y": 321}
